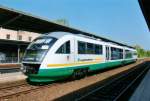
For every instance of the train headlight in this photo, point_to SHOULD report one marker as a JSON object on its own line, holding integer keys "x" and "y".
{"x": 37, "y": 59}
{"x": 23, "y": 69}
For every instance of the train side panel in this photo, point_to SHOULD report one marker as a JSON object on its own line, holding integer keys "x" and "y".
{"x": 66, "y": 56}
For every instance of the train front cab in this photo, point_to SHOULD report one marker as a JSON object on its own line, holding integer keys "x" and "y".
{"x": 51, "y": 67}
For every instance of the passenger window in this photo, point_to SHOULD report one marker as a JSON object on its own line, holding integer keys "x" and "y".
{"x": 67, "y": 51}
{"x": 98, "y": 49}
{"x": 116, "y": 53}
{"x": 81, "y": 47}
{"x": 134, "y": 53}
{"x": 64, "y": 49}
{"x": 128, "y": 54}
{"x": 90, "y": 48}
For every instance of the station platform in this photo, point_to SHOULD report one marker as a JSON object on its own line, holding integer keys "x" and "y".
{"x": 142, "y": 93}
{"x": 11, "y": 77}
{"x": 10, "y": 65}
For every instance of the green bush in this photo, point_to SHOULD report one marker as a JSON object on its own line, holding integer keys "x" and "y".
{"x": 141, "y": 52}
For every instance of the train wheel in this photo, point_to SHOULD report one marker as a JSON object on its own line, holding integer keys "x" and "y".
{"x": 79, "y": 73}
{"x": 85, "y": 72}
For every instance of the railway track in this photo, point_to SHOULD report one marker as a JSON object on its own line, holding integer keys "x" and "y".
{"x": 18, "y": 89}
{"x": 119, "y": 88}
{"x": 14, "y": 84}
{"x": 22, "y": 89}
{"x": 10, "y": 89}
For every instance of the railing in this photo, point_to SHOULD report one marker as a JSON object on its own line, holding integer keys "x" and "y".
{"x": 9, "y": 60}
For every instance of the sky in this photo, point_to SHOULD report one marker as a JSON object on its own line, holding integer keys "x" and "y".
{"x": 119, "y": 20}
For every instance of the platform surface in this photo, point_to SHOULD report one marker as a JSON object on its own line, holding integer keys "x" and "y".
{"x": 11, "y": 77}
{"x": 142, "y": 93}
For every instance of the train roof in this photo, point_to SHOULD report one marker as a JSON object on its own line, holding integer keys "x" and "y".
{"x": 17, "y": 20}
{"x": 58, "y": 34}
{"x": 61, "y": 34}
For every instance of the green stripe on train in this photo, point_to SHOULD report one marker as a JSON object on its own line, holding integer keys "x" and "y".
{"x": 45, "y": 75}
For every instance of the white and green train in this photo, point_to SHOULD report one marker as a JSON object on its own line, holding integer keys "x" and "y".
{"x": 59, "y": 55}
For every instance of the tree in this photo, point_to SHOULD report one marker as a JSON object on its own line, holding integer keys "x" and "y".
{"x": 141, "y": 52}
{"x": 62, "y": 22}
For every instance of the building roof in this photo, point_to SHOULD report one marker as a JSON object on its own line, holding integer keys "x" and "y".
{"x": 17, "y": 20}
{"x": 145, "y": 6}
{"x": 13, "y": 42}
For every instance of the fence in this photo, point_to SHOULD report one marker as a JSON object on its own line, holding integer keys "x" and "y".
{"x": 9, "y": 60}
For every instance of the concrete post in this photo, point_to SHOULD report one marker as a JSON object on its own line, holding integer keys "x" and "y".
{"x": 18, "y": 54}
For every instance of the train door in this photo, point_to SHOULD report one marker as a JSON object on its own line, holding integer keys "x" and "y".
{"x": 73, "y": 50}
{"x": 65, "y": 53}
{"x": 107, "y": 53}
{"x": 71, "y": 56}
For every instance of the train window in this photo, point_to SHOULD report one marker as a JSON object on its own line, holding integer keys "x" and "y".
{"x": 20, "y": 37}
{"x": 38, "y": 49}
{"x": 8, "y": 36}
{"x": 81, "y": 47}
{"x": 116, "y": 53}
{"x": 120, "y": 53}
{"x": 90, "y": 48}
{"x": 128, "y": 54}
{"x": 41, "y": 42}
{"x": 98, "y": 49}
{"x": 67, "y": 47}
{"x": 134, "y": 53}
{"x": 29, "y": 38}
{"x": 64, "y": 49}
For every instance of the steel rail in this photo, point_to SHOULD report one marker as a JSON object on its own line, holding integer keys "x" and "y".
{"x": 31, "y": 89}
{"x": 108, "y": 83}
{"x": 8, "y": 87}
{"x": 132, "y": 83}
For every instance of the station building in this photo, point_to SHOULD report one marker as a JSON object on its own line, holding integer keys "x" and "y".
{"x": 13, "y": 44}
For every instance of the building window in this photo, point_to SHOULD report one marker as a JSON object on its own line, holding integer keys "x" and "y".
{"x": 30, "y": 38}
{"x": 8, "y": 36}
{"x": 64, "y": 49}
{"x": 20, "y": 37}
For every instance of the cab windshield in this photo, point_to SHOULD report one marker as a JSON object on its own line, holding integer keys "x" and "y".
{"x": 38, "y": 49}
